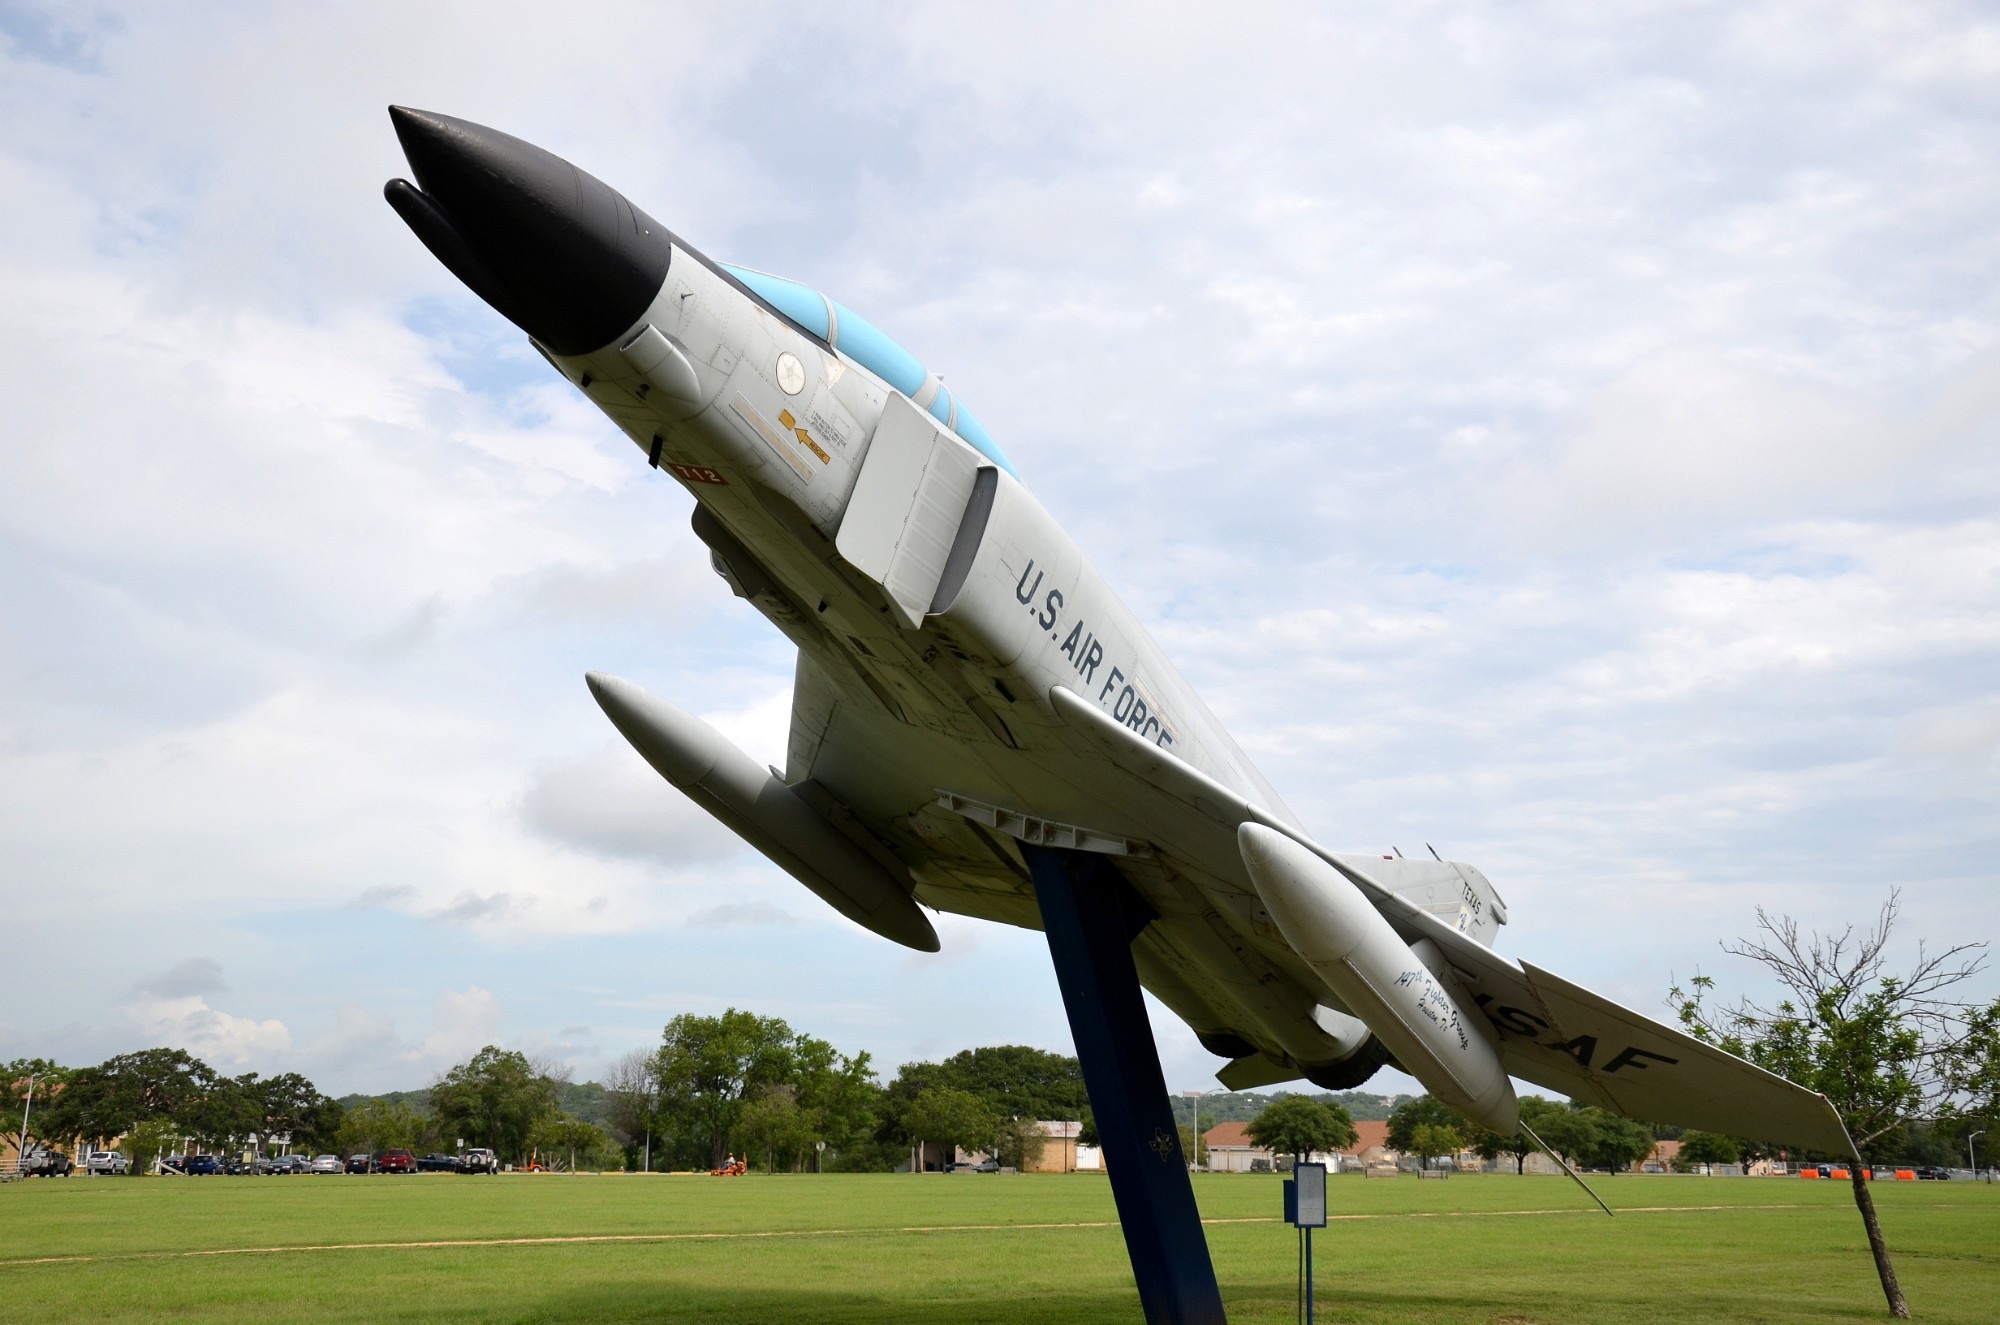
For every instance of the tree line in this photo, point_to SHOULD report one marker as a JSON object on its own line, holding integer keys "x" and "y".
{"x": 156, "y": 1100}
{"x": 737, "y": 1083}
{"x": 786, "y": 1101}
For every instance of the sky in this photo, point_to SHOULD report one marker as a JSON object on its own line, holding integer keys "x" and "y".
{"x": 1565, "y": 435}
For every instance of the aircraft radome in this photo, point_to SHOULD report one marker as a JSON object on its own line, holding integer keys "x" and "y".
{"x": 973, "y": 702}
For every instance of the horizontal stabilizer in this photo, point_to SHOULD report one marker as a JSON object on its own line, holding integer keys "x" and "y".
{"x": 1598, "y": 1052}
{"x": 1254, "y": 1070}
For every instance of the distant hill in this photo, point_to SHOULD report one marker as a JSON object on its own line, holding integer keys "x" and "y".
{"x": 586, "y": 1100}
{"x": 418, "y": 1100}
{"x": 580, "y": 1099}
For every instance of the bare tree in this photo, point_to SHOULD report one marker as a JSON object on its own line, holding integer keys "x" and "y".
{"x": 1886, "y": 1049}
{"x": 553, "y": 1068}
{"x": 634, "y": 1087}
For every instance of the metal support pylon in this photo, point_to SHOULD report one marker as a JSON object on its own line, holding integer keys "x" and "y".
{"x": 1090, "y": 915}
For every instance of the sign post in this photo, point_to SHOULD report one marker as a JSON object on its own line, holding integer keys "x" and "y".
{"x": 1305, "y": 1210}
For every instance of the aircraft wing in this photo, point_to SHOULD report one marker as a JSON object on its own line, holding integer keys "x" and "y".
{"x": 1547, "y": 1030}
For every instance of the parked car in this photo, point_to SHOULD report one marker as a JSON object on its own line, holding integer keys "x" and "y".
{"x": 237, "y": 1167}
{"x": 435, "y": 1163}
{"x": 987, "y": 1166}
{"x": 396, "y": 1161}
{"x": 360, "y": 1163}
{"x": 327, "y": 1164}
{"x": 289, "y": 1164}
{"x": 105, "y": 1162}
{"x": 202, "y": 1165}
{"x": 478, "y": 1160}
{"x": 1932, "y": 1173}
{"x": 40, "y": 1161}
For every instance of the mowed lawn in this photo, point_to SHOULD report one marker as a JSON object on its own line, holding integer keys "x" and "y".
{"x": 967, "y": 1248}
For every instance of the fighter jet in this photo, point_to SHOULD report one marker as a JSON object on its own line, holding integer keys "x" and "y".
{"x": 979, "y": 722}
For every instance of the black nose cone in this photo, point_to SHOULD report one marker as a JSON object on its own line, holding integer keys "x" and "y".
{"x": 560, "y": 253}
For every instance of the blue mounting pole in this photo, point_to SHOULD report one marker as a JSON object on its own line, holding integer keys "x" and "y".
{"x": 1090, "y": 915}
{"x": 1309, "y": 1273}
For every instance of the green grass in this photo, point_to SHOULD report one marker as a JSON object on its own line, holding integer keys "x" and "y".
{"x": 960, "y": 1248}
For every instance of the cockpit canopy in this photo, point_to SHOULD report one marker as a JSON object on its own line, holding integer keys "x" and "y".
{"x": 862, "y": 341}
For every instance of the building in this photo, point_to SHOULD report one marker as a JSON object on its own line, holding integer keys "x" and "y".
{"x": 1660, "y": 1159}
{"x": 1061, "y": 1152}
{"x": 1059, "y": 1149}
{"x": 1230, "y": 1150}
{"x": 1371, "y": 1146}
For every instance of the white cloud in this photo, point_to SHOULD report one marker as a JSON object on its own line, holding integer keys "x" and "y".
{"x": 461, "y": 1024}
{"x": 732, "y": 914}
{"x": 1569, "y": 438}
{"x": 612, "y": 801}
{"x": 185, "y": 979}
{"x": 219, "y": 1038}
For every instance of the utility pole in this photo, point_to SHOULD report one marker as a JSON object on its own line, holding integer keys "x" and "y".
{"x": 1194, "y": 1156}
{"x": 21, "y": 1155}
{"x": 1971, "y": 1150}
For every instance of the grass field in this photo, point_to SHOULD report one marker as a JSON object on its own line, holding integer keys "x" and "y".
{"x": 967, "y": 1248}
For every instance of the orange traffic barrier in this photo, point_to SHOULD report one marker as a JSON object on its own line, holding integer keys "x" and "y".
{"x": 1906, "y": 1175}
{"x": 1808, "y": 1173}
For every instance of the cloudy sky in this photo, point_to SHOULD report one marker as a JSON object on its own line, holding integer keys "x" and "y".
{"x": 1566, "y": 435}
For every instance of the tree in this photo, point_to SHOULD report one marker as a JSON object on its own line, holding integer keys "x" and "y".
{"x": 1013, "y": 1081}
{"x": 27, "y": 1087}
{"x": 1194, "y": 1146}
{"x": 707, "y": 1066}
{"x": 496, "y": 1097}
{"x": 634, "y": 1094}
{"x": 1700, "y": 1148}
{"x": 292, "y": 1107}
{"x": 564, "y": 1141}
{"x": 837, "y": 1095}
{"x": 1489, "y": 1145}
{"x": 1617, "y": 1142}
{"x": 773, "y": 1122}
{"x": 1018, "y": 1081}
{"x": 1408, "y": 1116}
{"x": 1018, "y": 1142}
{"x": 1428, "y": 1139}
{"x": 1883, "y": 1047}
{"x": 1299, "y": 1125}
{"x": 1535, "y": 1111}
{"x": 98, "y": 1103}
{"x": 376, "y": 1125}
{"x": 227, "y": 1114}
{"x": 1975, "y": 1071}
{"x": 951, "y": 1118}
{"x": 1571, "y": 1132}
{"x": 146, "y": 1142}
